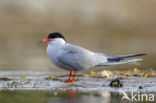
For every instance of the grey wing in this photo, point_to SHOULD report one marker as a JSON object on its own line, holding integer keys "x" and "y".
{"x": 77, "y": 58}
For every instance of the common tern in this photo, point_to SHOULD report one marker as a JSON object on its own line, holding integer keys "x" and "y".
{"x": 75, "y": 58}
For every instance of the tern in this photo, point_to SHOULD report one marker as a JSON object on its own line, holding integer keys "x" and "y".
{"x": 75, "y": 58}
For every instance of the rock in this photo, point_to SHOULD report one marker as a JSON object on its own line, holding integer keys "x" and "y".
{"x": 104, "y": 74}
{"x": 140, "y": 87}
{"x": 115, "y": 83}
{"x": 6, "y": 78}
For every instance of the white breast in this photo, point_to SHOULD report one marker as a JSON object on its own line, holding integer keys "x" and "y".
{"x": 53, "y": 48}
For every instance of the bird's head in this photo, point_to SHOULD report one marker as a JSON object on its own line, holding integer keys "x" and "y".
{"x": 53, "y": 36}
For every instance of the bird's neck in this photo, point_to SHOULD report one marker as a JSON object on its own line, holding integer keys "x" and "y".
{"x": 54, "y": 46}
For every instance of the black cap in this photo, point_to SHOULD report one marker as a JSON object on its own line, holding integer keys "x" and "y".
{"x": 55, "y": 35}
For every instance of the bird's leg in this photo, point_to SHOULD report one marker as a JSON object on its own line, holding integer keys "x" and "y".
{"x": 73, "y": 77}
{"x": 68, "y": 81}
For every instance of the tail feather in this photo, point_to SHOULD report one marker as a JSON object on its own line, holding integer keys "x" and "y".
{"x": 122, "y": 59}
{"x": 121, "y": 62}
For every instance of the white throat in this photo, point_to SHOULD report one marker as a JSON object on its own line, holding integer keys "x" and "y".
{"x": 54, "y": 46}
{"x": 57, "y": 41}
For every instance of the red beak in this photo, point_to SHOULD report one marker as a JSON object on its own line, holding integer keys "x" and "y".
{"x": 46, "y": 40}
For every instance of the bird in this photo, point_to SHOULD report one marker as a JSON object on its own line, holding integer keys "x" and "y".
{"x": 75, "y": 58}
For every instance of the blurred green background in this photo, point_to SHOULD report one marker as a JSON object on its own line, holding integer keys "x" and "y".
{"x": 108, "y": 26}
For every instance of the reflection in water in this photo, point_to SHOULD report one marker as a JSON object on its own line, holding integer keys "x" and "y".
{"x": 72, "y": 95}
{"x": 69, "y": 96}
{"x": 54, "y": 96}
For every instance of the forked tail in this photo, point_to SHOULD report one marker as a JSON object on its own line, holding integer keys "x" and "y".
{"x": 121, "y": 59}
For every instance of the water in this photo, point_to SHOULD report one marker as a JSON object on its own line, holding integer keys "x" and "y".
{"x": 69, "y": 96}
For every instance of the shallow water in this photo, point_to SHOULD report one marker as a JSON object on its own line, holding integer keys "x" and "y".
{"x": 69, "y": 96}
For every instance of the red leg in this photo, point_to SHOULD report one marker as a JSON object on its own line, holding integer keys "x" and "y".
{"x": 73, "y": 77}
{"x": 68, "y": 81}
